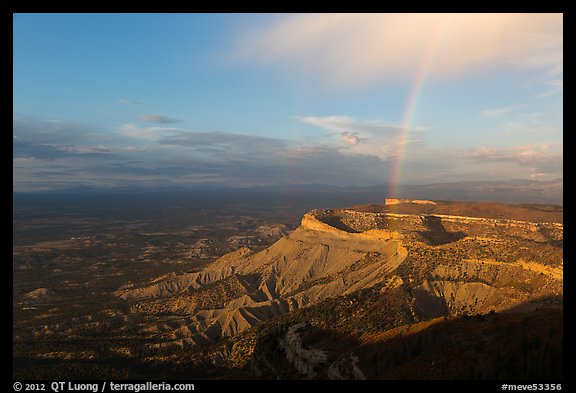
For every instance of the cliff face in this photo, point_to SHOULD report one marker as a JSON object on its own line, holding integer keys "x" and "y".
{"x": 313, "y": 222}
{"x": 440, "y": 264}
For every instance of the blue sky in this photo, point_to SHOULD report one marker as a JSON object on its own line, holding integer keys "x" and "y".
{"x": 107, "y": 100}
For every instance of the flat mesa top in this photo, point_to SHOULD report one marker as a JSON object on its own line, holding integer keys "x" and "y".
{"x": 519, "y": 212}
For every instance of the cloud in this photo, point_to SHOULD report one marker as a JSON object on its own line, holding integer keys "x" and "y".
{"x": 357, "y": 49}
{"x": 220, "y": 146}
{"x": 177, "y": 156}
{"x": 539, "y": 159}
{"x": 44, "y": 151}
{"x": 237, "y": 159}
{"x": 83, "y": 149}
{"x": 127, "y": 101}
{"x": 349, "y": 124}
{"x": 55, "y": 139}
{"x": 62, "y": 155}
{"x": 385, "y": 139}
{"x": 150, "y": 133}
{"x": 349, "y": 138}
{"x": 501, "y": 111}
{"x": 216, "y": 138}
{"x": 157, "y": 119}
{"x": 535, "y": 124}
{"x": 554, "y": 87}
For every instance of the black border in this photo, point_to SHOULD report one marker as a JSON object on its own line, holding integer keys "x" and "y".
{"x": 8, "y": 7}
{"x": 231, "y": 6}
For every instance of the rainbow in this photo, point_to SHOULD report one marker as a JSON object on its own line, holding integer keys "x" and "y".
{"x": 410, "y": 109}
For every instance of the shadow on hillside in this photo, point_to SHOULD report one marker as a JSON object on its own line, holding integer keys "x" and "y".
{"x": 437, "y": 234}
{"x": 336, "y": 222}
{"x": 108, "y": 365}
{"x": 512, "y": 345}
{"x": 546, "y": 302}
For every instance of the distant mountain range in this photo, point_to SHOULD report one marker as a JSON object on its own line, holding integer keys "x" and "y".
{"x": 513, "y": 191}
{"x": 311, "y": 196}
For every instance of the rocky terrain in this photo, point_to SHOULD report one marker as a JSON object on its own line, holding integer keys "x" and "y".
{"x": 443, "y": 265}
{"x": 367, "y": 292}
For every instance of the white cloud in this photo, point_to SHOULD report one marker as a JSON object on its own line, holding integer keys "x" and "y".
{"x": 349, "y": 124}
{"x": 357, "y": 49}
{"x": 151, "y": 133}
{"x": 501, "y": 111}
{"x": 537, "y": 160}
{"x": 349, "y": 138}
{"x": 531, "y": 125}
{"x": 127, "y": 101}
{"x": 362, "y": 153}
{"x": 83, "y": 149}
{"x": 554, "y": 86}
{"x": 373, "y": 137}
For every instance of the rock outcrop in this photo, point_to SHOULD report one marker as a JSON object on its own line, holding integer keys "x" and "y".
{"x": 40, "y": 294}
{"x": 448, "y": 264}
{"x": 304, "y": 360}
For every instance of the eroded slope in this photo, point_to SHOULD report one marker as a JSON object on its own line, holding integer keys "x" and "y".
{"x": 443, "y": 264}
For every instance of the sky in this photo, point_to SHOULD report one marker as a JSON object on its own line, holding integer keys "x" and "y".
{"x": 164, "y": 100}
